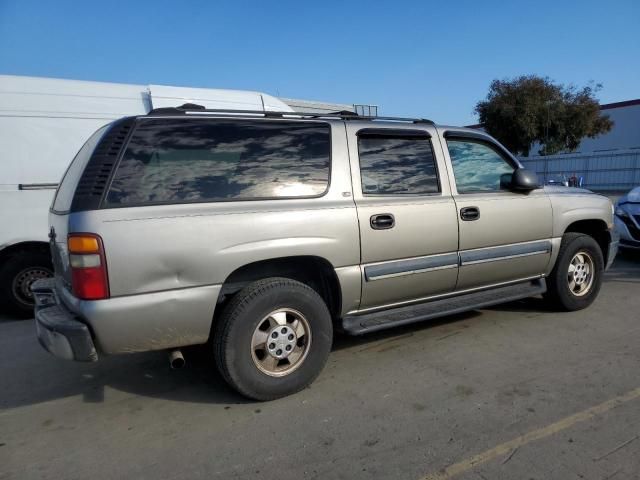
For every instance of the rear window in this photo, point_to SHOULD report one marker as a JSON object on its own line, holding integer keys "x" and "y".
{"x": 66, "y": 189}
{"x": 199, "y": 160}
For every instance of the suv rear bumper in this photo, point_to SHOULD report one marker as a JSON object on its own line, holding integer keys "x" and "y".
{"x": 58, "y": 330}
{"x": 76, "y": 329}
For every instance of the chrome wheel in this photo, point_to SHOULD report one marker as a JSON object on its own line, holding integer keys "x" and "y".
{"x": 281, "y": 342}
{"x": 21, "y": 285}
{"x": 581, "y": 273}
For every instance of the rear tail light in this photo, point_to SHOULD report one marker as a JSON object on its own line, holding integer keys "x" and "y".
{"x": 88, "y": 266}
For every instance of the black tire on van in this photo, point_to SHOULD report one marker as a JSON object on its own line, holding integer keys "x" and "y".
{"x": 17, "y": 273}
{"x": 273, "y": 338}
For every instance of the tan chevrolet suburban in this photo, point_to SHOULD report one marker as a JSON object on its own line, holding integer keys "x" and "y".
{"x": 261, "y": 233}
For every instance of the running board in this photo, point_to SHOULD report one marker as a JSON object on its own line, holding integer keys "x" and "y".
{"x": 357, "y": 324}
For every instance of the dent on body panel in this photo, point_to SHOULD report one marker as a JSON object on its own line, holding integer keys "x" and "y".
{"x": 153, "y": 254}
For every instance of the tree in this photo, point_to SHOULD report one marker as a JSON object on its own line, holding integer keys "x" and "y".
{"x": 528, "y": 109}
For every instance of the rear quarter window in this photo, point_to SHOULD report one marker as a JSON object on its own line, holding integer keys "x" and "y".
{"x": 205, "y": 160}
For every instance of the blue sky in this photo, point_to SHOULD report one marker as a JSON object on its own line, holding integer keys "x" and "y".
{"x": 417, "y": 58}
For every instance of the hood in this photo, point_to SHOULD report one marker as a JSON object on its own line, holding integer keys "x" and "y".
{"x": 559, "y": 189}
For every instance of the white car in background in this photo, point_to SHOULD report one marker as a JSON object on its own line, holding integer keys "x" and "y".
{"x": 627, "y": 219}
{"x": 43, "y": 123}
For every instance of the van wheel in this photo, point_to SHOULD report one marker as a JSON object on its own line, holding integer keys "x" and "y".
{"x": 576, "y": 278}
{"x": 273, "y": 338}
{"x": 17, "y": 274}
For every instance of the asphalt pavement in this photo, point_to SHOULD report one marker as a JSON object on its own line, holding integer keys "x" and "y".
{"x": 511, "y": 392}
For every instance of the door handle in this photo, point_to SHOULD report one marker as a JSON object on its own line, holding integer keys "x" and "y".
{"x": 469, "y": 214}
{"x": 382, "y": 221}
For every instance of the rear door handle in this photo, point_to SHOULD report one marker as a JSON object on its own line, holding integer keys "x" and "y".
{"x": 382, "y": 221}
{"x": 469, "y": 214}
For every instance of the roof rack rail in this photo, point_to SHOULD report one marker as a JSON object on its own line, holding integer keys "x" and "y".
{"x": 191, "y": 108}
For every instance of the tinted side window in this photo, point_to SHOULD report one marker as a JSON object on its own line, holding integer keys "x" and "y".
{"x": 476, "y": 166}
{"x": 397, "y": 166}
{"x": 195, "y": 160}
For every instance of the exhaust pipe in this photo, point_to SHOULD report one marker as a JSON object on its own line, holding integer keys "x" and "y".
{"x": 176, "y": 360}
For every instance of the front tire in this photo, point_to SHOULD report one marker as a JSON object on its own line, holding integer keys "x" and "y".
{"x": 273, "y": 339}
{"x": 576, "y": 278}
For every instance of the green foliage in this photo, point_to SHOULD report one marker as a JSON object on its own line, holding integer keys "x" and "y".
{"x": 526, "y": 109}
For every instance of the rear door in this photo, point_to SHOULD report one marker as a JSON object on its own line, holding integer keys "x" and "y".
{"x": 408, "y": 225}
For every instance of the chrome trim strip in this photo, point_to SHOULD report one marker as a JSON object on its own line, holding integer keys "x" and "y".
{"x": 409, "y": 272}
{"x": 384, "y": 262}
{"x": 429, "y": 263}
{"x": 497, "y": 259}
{"x": 503, "y": 252}
{"x": 443, "y": 295}
{"x": 410, "y": 266}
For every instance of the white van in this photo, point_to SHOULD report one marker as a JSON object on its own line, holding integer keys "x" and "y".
{"x": 43, "y": 123}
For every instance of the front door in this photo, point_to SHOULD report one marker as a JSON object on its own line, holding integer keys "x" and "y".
{"x": 505, "y": 236}
{"x": 408, "y": 224}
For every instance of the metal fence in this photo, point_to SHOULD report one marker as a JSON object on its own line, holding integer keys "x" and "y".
{"x": 617, "y": 170}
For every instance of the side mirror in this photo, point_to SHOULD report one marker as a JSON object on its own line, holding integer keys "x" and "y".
{"x": 521, "y": 180}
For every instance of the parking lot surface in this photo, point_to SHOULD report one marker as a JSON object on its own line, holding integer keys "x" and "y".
{"x": 515, "y": 391}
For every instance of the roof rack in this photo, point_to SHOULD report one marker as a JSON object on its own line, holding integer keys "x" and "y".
{"x": 192, "y": 108}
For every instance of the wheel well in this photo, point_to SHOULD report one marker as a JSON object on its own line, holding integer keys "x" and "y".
{"x": 596, "y": 229}
{"x": 40, "y": 247}
{"x": 316, "y": 272}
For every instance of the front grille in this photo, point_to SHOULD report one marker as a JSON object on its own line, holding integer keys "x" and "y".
{"x": 95, "y": 178}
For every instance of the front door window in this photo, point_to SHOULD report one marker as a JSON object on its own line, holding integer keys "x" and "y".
{"x": 476, "y": 166}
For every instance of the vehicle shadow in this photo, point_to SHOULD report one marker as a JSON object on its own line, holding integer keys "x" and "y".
{"x": 35, "y": 376}
{"x": 30, "y": 375}
{"x": 530, "y": 305}
{"x": 344, "y": 341}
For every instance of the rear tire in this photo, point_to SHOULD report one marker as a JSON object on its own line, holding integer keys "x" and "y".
{"x": 273, "y": 339}
{"x": 17, "y": 274}
{"x": 576, "y": 278}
